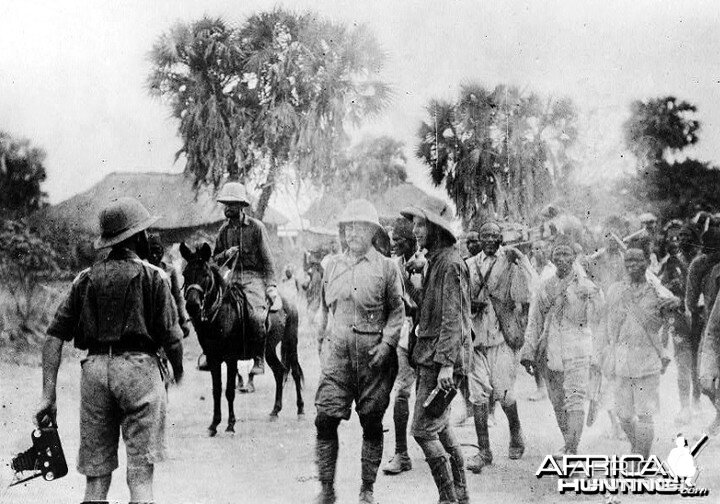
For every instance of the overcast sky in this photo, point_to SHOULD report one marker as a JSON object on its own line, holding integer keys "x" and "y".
{"x": 72, "y": 73}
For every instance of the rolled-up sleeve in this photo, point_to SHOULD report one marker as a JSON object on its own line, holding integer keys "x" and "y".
{"x": 67, "y": 317}
{"x": 393, "y": 304}
{"x": 451, "y": 313}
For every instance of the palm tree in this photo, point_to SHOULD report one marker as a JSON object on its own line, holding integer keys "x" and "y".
{"x": 277, "y": 91}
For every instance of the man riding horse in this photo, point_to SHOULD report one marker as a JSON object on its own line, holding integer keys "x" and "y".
{"x": 246, "y": 240}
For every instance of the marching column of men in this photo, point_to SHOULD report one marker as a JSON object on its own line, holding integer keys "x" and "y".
{"x": 570, "y": 321}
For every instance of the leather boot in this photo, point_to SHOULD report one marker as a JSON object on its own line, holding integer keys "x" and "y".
{"x": 517, "y": 440}
{"x": 484, "y": 456}
{"x": 326, "y": 453}
{"x": 442, "y": 474}
{"x": 575, "y": 422}
{"x": 457, "y": 465}
{"x": 370, "y": 459}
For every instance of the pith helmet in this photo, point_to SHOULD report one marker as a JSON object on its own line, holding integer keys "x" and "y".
{"x": 360, "y": 210}
{"x": 234, "y": 192}
{"x": 437, "y": 213}
{"x": 121, "y": 219}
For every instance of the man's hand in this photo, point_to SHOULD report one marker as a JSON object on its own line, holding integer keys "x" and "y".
{"x": 513, "y": 254}
{"x": 445, "y": 378}
{"x": 529, "y": 366}
{"x": 47, "y": 413}
{"x": 379, "y": 353}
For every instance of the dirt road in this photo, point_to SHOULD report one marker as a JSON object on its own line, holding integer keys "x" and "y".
{"x": 273, "y": 461}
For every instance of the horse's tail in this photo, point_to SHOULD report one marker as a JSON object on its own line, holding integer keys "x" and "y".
{"x": 289, "y": 346}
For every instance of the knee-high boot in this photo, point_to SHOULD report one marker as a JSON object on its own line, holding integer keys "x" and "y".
{"x": 484, "y": 456}
{"x": 517, "y": 441}
{"x": 326, "y": 453}
{"x": 442, "y": 474}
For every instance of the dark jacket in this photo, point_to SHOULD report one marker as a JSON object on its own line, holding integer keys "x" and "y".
{"x": 121, "y": 299}
{"x": 252, "y": 238}
{"x": 443, "y": 332}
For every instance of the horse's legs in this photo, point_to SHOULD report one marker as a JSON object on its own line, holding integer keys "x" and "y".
{"x": 217, "y": 394}
{"x": 230, "y": 393}
{"x": 298, "y": 379}
{"x": 250, "y": 384}
{"x": 279, "y": 373}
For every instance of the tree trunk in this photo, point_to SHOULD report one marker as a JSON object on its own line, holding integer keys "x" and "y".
{"x": 267, "y": 191}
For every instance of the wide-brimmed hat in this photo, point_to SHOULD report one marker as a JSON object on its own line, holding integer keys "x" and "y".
{"x": 234, "y": 192}
{"x": 436, "y": 213}
{"x": 121, "y": 219}
{"x": 360, "y": 210}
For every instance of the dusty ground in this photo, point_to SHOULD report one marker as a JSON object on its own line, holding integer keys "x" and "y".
{"x": 273, "y": 461}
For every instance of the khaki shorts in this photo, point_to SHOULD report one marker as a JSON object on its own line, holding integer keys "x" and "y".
{"x": 493, "y": 374}
{"x": 637, "y": 396}
{"x": 120, "y": 393}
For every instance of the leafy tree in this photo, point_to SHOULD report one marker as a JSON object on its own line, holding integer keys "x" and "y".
{"x": 369, "y": 168}
{"x": 21, "y": 173}
{"x": 660, "y": 125}
{"x": 24, "y": 259}
{"x": 500, "y": 153}
{"x": 275, "y": 91}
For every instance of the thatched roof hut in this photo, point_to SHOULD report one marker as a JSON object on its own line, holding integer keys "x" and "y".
{"x": 325, "y": 211}
{"x": 184, "y": 211}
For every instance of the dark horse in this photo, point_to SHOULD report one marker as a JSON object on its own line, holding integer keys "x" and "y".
{"x": 218, "y": 316}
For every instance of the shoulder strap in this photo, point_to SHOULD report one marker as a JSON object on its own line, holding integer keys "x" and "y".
{"x": 631, "y": 311}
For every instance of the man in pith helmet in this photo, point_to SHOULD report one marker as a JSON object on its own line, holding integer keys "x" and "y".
{"x": 122, "y": 312}
{"x": 363, "y": 291}
{"x": 245, "y": 239}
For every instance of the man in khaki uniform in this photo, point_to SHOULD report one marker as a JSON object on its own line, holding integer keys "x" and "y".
{"x": 500, "y": 281}
{"x": 563, "y": 313}
{"x": 363, "y": 303}
{"x": 122, "y": 312}
{"x": 636, "y": 312}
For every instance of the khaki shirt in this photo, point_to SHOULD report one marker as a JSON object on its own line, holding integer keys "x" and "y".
{"x": 563, "y": 313}
{"x": 364, "y": 295}
{"x": 633, "y": 326}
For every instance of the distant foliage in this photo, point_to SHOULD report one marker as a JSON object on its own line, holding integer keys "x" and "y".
{"x": 678, "y": 189}
{"x": 368, "y": 169}
{"x": 274, "y": 92}
{"x": 25, "y": 259}
{"x": 500, "y": 153}
{"x": 21, "y": 173}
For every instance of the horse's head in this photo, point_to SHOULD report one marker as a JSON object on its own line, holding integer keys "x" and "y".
{"x": 199, "y": 278}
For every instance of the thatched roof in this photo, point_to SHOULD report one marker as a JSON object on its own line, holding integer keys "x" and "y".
{"x": 169, "y": 195}
{"x": 325, "y": 211}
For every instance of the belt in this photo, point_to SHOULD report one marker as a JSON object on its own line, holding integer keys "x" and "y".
{"x": 121, "y": 347}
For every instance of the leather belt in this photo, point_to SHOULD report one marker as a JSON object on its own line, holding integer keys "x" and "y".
{"x": 120, "y": 347}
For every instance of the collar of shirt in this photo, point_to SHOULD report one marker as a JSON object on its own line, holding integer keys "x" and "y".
{"x": 120, "y": 254}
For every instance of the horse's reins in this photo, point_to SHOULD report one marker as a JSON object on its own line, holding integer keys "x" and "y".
{"x": 207, "y": 313}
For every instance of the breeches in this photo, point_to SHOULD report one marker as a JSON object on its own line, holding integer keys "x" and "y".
{"x": 347, "y": 377}
{"x": 257, "y": 305}
{"x": 637, "y": 396}
{"x": 425, "y": 426}
{"x": 493, "y": 374}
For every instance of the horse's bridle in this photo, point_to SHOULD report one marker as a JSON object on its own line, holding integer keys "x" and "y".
{"x": 207, "y": 313}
